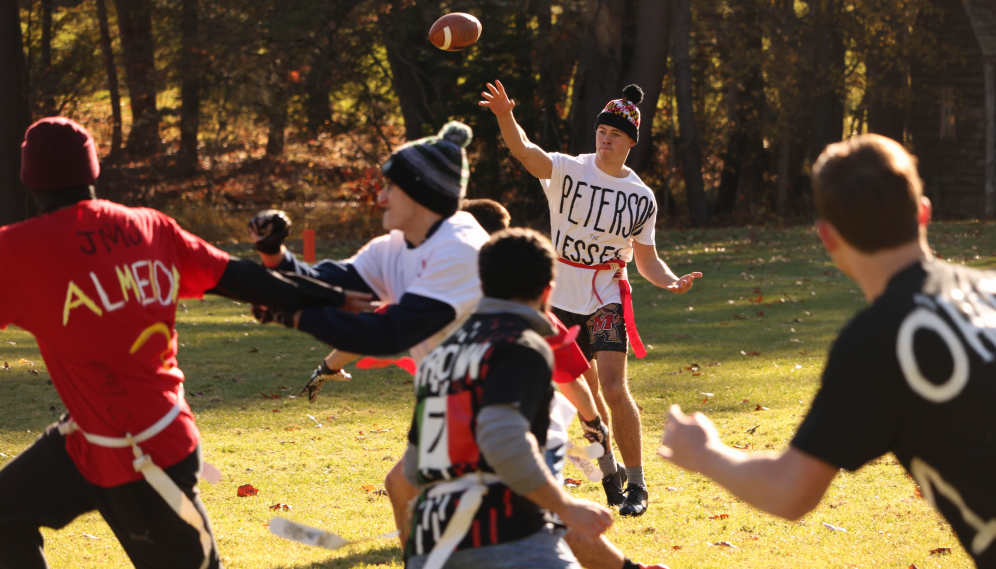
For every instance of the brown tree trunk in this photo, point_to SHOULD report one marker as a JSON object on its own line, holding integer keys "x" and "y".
{"x": 16, "y": 116}
{"x": 599, "y": 72}
{"x": 135, "y": 27}
{"x": 277, "y": 123}
{"x": 112, "y": 77}
{"x": 886, "y": 108}
{"x": 411, "y": 77}
{"x": 828, "y": 64}
{"x": 743, "y": 169}
{"x": 698, "y": 206}
{"x": 190, "y": 88}
{"x": 653, "y": 38}
{"x": 45, "y": 84}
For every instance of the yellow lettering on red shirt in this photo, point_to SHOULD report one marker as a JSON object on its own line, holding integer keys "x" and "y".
{"x": 126, "y": 280}
{"x": 74, "y": 298}
{"x": 176, "y": 284}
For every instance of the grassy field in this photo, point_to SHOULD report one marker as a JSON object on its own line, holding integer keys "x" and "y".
{"x": 753, "y": 333}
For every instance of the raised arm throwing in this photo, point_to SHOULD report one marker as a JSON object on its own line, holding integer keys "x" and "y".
{"x": 534, "y": 158}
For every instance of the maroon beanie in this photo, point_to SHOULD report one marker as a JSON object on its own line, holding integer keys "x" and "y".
{"x": 58, "y": 153}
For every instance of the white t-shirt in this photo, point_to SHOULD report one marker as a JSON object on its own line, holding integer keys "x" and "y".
{"x": 443, "y": 268}
{"x": 594, "y": 218}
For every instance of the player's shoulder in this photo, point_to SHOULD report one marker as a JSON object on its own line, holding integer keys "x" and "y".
{"x": 877, "y": 326}
{"x": 460, "y": 234}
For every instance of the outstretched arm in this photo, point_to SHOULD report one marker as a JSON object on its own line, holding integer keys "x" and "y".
{"x": 657, "y": 272}
{"x": 534, "y": 158}
{"x": 789, "y": 484}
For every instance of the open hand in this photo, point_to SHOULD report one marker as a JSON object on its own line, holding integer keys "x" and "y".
{"x": 357, "y": 302}
{"x": 688, "y": 439}
{"x": 683, "y": 284}
{"x": 586, "y": 518}
{"x": 497, "y": 100}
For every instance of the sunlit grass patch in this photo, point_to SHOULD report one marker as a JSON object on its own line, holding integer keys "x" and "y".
{"x": 746, "y": 347}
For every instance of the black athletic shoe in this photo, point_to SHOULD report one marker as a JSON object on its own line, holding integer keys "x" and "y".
{"x": 636, "y": 501}
{"x": 613, "y": 485}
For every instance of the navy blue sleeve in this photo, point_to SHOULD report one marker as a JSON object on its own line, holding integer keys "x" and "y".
{"x": 246, "y": 281}
{"x": 398, "y": 328}
{"x": 335, "y": 273}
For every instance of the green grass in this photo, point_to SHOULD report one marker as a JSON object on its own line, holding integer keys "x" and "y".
{"x": 319, "y": 471}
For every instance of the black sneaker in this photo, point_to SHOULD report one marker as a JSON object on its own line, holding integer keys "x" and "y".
{"x": 613, "y": 485}
{"x": 636, "y": 501}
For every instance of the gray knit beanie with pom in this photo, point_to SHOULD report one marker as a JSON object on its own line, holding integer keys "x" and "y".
{"x": 434, "y": 170}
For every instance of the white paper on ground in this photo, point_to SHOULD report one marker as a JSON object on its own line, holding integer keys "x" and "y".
{"x": 308, "y": 535}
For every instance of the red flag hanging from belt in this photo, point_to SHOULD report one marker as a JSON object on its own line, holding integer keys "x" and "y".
{"x": 626, "y": 294}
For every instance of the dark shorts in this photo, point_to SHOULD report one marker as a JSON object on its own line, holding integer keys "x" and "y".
{"x": 43, "y": 488}
{"x": 601, "y": 331}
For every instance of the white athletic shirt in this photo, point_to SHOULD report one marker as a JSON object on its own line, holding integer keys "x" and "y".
{"x": 443, "y": 268}
{"x": 594, "y": 218}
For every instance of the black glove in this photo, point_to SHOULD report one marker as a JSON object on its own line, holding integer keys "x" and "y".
{"x": 320, "y": 376}
{"x": 265, "y": 315}
{"x": 596, "y": 432}
{"x": 268, "y": 229}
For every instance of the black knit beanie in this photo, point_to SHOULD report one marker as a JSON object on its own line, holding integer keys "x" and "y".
{"x": 434, "y": 170}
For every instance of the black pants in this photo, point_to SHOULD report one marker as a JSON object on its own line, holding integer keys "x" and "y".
{"x": 43, "y": 487}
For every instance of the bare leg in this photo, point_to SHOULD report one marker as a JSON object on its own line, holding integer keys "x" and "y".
{"x": 626, "y": 428}
{"x": 400, "y": 492}
{"x": 591, "y": 376}
{"x": 594, "y": 553}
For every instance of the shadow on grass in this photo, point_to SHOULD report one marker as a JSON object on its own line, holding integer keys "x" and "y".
{"x": 374, "y": 556}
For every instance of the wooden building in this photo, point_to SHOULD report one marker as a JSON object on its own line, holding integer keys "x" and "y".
{"x": 952, "y": 124}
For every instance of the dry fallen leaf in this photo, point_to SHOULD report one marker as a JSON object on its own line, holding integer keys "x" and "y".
{"x": 723, "y": 544}
{"x": 751, "y": 430}
{"x": 238, "y": 379}
{"x": 940, "y": 551}
{"x": 676, "y": 547}
{"x": 247, "y": 490}
{"x": 740, "y": 317}
{"x": 719, "y": 516}
{"x": 368, "y": 487}
{"x": 760, "y": 314}
{"x": 279, "y": 506}
{"x": 571, "y": 483}
{"x": 380, "y": 431}
{"x": 759, "y": 408}
{"x": 916, "y": 491}
{"x": 912, "y": 566}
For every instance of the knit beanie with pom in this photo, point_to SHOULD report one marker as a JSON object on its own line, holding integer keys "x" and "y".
{"x": 434, "y": 170}
{"x": 623, "y": 113}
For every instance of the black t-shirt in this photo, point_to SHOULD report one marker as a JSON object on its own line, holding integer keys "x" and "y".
{"x": 493, "y": 359}
{"x": 915, "y": 375}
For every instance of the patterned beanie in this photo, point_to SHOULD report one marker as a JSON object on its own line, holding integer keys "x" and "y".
{"x": 623, "y": 113}
{"x": 434, "y": 170}
{"x": 58, "y": 153}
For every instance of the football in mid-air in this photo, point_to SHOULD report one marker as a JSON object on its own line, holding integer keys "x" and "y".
{"x": 455, "y": 31}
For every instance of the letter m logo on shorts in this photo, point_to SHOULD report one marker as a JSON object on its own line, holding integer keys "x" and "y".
{"x": 605, "y": 321}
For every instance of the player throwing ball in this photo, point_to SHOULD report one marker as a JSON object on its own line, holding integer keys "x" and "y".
{"x": 602, "y": 216}
{"x": 916, "y": 370}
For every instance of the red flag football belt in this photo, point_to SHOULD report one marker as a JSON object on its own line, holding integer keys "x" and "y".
{"x": 625, "y": 292}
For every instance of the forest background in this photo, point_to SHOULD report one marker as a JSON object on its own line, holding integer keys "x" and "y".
{"x": 213, "y": 110}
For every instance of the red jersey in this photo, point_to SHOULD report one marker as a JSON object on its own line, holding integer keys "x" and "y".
{"x": 97, "y": 284}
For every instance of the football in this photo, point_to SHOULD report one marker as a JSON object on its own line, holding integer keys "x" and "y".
{"x": 455, "y": 31}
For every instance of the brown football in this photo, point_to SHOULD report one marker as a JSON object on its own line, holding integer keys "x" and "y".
{"x": 455, "y": 31}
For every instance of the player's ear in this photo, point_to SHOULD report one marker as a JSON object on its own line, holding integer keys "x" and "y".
{"x": 545, "y": 295}
{"x": 828, "y": 235}
{"x": 924, "y": 211}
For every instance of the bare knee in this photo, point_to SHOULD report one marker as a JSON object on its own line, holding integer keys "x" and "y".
{"x": 615, "y": 392}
